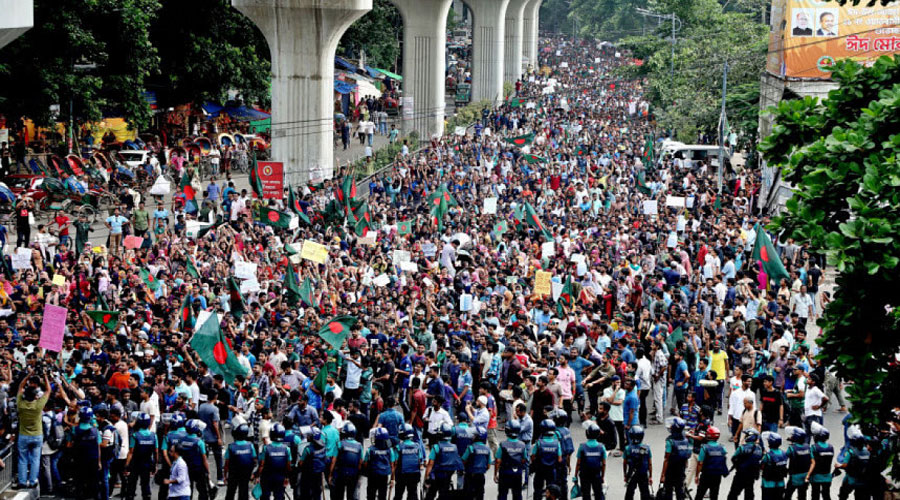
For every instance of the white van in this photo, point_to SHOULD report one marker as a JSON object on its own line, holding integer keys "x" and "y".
{"x": 694, "y": 152}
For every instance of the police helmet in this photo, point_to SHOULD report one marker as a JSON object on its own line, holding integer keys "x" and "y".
{"x": 481, "y": 434}
{"x": 195, "y": 426}
{"x": 675, "y": 425}
{"x": 314, "y": 434}
{"x": 241, "y": 432}
{"x": 713, "y": 433}
{"x": 177, "y": 421}
{"x": 446, "y": 431}
{"x": 751, "y": 436}
{"x": 592, "y": 431}
{"x": 772, "y": 439}
{"x": 462, "y": 417}
{"x": 559, "y": 417}
{"x": 513, "y": 430}
{"x": 407, "y": 431}
{"x": 855, "y": 436}
{"x": 277, "y": 432}
{"x": 795, "y": 434}
{"x": 548, "y": 426}
{"x": 636, "y": 434}
{"x": 819, "y": 431}
{"x": 348, "y": 431}
{"x": 382, "y": 436}
{"x": 85, "y": 414}
{"x": 143, "y": 421}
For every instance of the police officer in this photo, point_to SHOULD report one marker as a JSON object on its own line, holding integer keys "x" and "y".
{"x": 274, "y": 471}
{"x": 313, "y": 464}
{"x": 240, "y": 461}
{"x": 463, "y": 436}
{"x": 194, "y": 456}
{"x": 546, "y": 455}
{"x": 590, "y": 464}
{"x": 712, "y": 465}
{"x": 409, "y": 462}
{"x": 443, "y": 461}
{"x": 822, "y": 454}
{"x": 568, "y": 448}
{"x": 172, "y": 439}
{"x": 142, "y": 457}
{"x": 512, "y": 461}
{"x": 476, "y": 462}
{"x": 799, "y": 461}
{"x": 85, "y": 447}
{"x": 854, "y": 460}
{"x": 746, "y": 460}
{"x": 637, "y": 465}
{"x": 379, "y": 462}
{"x": 293, "y": 441}
{"x": 346, "y": 465}
{"x": 678, "y": 452}
{"x": 774, "y": 468}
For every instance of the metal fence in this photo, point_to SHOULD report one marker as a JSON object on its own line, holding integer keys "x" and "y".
{"x": 6, "y": 475}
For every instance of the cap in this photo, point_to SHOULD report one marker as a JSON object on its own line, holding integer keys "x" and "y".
{"x": 483, "y": 400}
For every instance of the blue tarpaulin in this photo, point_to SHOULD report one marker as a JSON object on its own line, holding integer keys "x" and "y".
{"x": 212, "y": 108}
{"x": 243, "y": 113}
{"x": 374, "y": 73}
{"x": 343, "y": 64}
{"x": 343, "y": 87}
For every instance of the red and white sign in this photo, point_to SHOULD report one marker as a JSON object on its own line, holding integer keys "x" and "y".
{"x": 271, "y": 175}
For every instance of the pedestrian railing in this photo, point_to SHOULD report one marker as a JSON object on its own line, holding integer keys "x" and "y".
{"x": 6, "y": 475}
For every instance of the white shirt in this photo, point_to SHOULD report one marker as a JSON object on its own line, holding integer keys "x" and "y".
{"x": 437, "y": 418}
{"x": 122, "y": 430}
{"x": 813, "y": 397}
{"x": 151, "y": 407}
{"x": 736, "y": 402}
{"x": 644, "y": 371}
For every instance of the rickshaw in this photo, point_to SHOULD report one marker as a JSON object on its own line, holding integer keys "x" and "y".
{"x": 61, "y": 197}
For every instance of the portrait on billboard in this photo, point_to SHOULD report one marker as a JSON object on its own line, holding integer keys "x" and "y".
{"x": 827, "y": 22}
{"x": 802, "y": 22}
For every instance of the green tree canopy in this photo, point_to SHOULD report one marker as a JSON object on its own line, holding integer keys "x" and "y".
{"x": 378, "y": 32}
{"x": 842, "y": 153}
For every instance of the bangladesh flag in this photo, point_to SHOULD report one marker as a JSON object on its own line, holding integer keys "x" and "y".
{"x": 255, "y": 180}
{"x": 186, "y": 316}
{"x": 212, "y": 347}
{"x": 648, "y": 155}
{"x": 532, "y": 159}
{"x": 515, "y": 102}
{"x": 566, "y": 297}
{"x": 273, "y": 217}
{"x": 292, "y": 286}
{"x": 306, "y": 293}
{"x": 191, "y": 268}
{"x": 362, "y": 227}
{"x": 642, "y": 185}
{"x": 238, "y": 308}
{"x": 405, "y": 227}
{"x": 321, "y": 380}
{"x": 345, "y": 193}
{"x": 500, "y": 228}
{"x": 149, "y": 280}
{"x": 522, "y": 140}
{"x": 189, "y": 190}
{"x": 441, "y": 194}
{"x": 674, "y": 338}
{"x": 109, "y": 319}
{"x": 336, "y": 331}
{"x": 532, "y": 219}
{"x": 581, "y": 151}
{"x": 764, "y": 252}
{"x": 290, "y": 250}
{"x": 293, "y": 202}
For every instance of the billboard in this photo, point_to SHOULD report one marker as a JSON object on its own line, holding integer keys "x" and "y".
{"x": 808, "y": 36}
{"x": 271, "y": 175}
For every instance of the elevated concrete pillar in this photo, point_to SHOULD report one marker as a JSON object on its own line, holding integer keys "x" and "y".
{"x": 424, "y": 63}
{"x": 530, "y": 32}
{"x": 487, "y": 48}
{"x": 17, "y": 18}
{"x": 303, "y": 36}
{"x": 512, "y": 59}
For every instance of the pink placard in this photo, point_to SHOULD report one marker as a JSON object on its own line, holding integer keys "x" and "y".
{"x": 132, "y": 241}
{"x": 53, "y": 327}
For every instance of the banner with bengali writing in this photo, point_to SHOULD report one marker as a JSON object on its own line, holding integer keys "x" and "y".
{"x": 808, "y": 36}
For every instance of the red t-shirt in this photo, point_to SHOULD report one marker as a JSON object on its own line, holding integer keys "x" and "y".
{"x": 63, "y": 222}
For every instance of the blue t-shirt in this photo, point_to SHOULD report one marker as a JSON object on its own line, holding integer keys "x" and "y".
{"x": 679, "y": 372}
{"x": 631, "y": 403}
{"x": 115, "y": 223}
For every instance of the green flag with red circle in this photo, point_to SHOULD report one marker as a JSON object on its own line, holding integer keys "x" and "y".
{"x": 404, "y": 227}
{"x": 109, "y": 319}
{"x": 764, "y": 252}
{"x": 336, "y": 330}
{"x": 273, "y": 217}
{"x": 213, "y": 348}
{"x": 532, "y": 219}
{"x": 149, "y": 280}
{"x": 521, "y": 140}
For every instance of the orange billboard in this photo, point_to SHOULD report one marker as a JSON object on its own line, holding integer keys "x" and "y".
{"x": 808, "y": 36}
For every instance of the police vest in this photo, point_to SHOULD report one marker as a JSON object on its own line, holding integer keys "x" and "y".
{"x": 380, "y": 461}
{"x": 775, "y": 465}
{"x": 591, "y": 458}
{"x": 291, "y": 440}
{"x": 277, "y": 457}
{"x": 681, "y": 452}
{"x": 240, "y": 458}
{"x": 823, "y": 453}
{"x": 565, "y": 441}
{"x": 479, "y": 459}
{"x": 173, "y": 438}
{"x": 859, "y": 461}
{"x": 317, "y": 460}
{"x": 462, "y": 437}
{"x": 714, "y": 461}
{"x": 349, "y": 455}
{"x": 409, "y": 457}
{"x": 512, "y": 456}
{"x": 86, "y": 441}
{"x": 447, "y": 461}
{"x": 800, "y": 459}
{"x": 144, "y": 450}
{"x": 748, "y": 458}
{"x": 192, "y": 455}
{"x": 547, "y": 454}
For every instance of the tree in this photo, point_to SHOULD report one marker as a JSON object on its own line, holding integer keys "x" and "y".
{"x": 378, "y": 32}
{"x": 207, "y": 50}
{"x": 842, "y": 153}
{"x": 95, "y": 54}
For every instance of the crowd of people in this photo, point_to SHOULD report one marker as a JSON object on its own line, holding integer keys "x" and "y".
{"x": 460, "y": 365}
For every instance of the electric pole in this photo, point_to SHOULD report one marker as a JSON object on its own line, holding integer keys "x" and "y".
{"x": 721, "y": 169}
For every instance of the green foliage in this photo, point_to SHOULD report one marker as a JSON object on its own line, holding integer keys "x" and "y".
{"x": 610, "y": 19}
{"x": 378, "y": 32}
{"x": 207, "y": 48}
{"x": 385, "y": 156}
{"x": 467, "y": 115}
{"x": 508, "y": 89}
{"x": 554, "y": 17}
{"x": 95, "y": 52}
{"x": 842, "y": 153}
{"x": 688, "y": 101}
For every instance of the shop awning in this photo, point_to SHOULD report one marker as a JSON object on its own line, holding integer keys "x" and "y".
{"x": 243, "y": 113}
{"x": 387, "y": 73}
{"x": 343, "y": 64}
{"x": 343, "y": 87}
{"x": 212, "y": 108}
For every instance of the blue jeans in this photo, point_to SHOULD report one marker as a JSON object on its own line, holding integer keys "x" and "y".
{"x": 29, "y": 448}
{"x": 770, "y": 426}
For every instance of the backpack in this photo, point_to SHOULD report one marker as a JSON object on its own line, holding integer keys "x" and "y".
{"x": 55, "y": 434}
{"x": 112, "y": 452}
